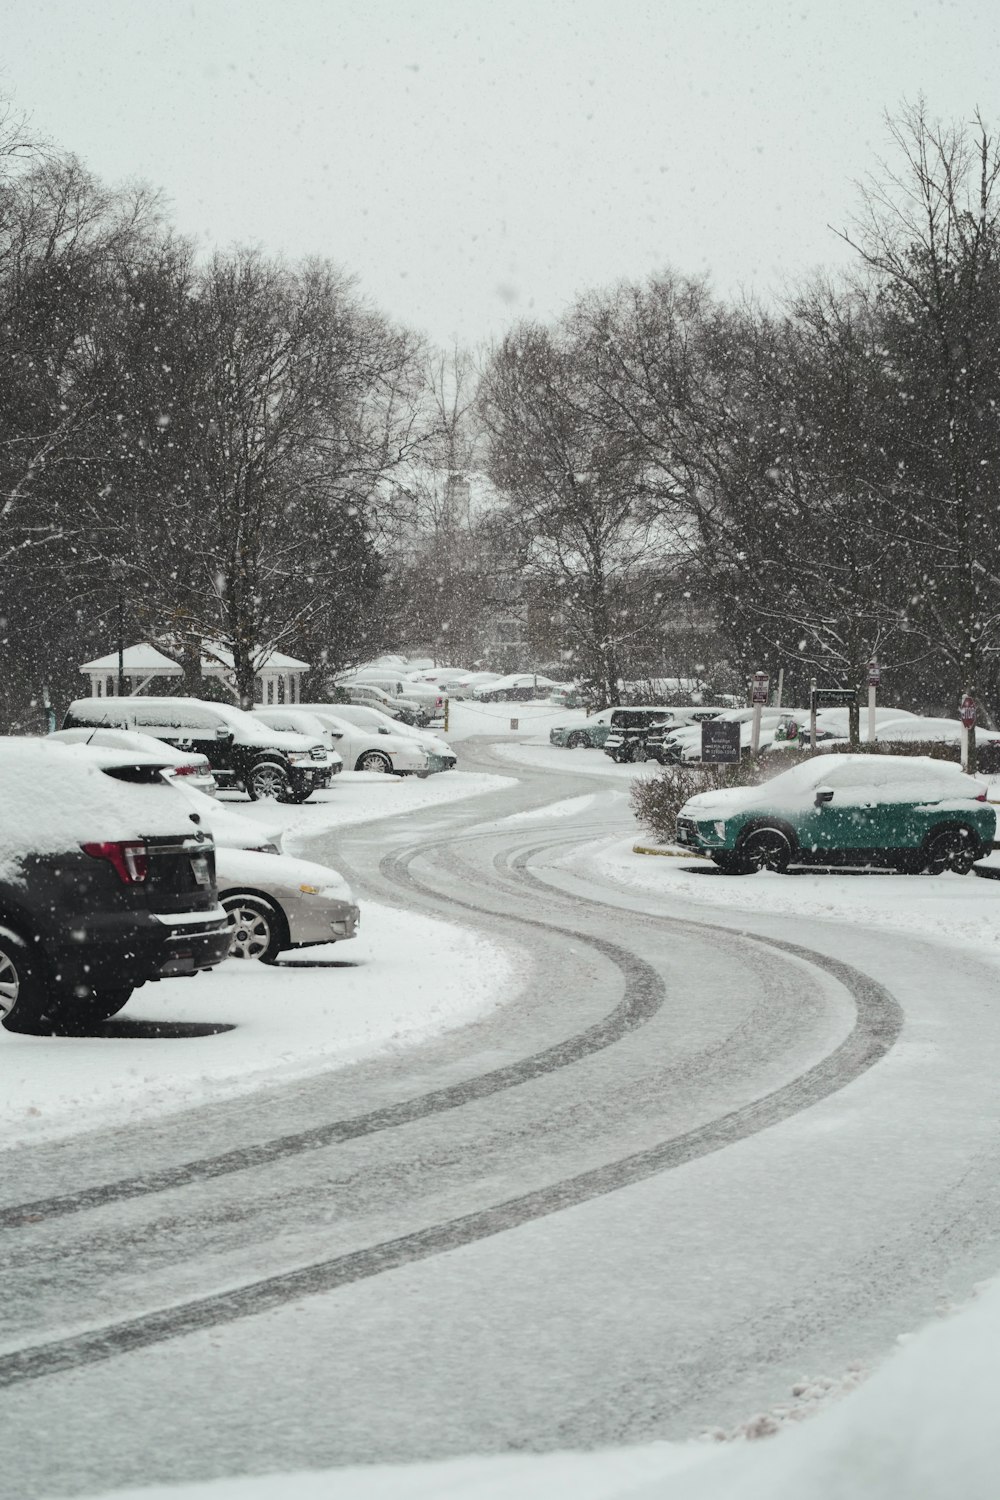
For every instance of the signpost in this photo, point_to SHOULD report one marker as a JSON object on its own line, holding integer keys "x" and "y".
{"x": 720, "y": 742}
{"x": 967, "y": 713}
{"x": 874, "y": 678}
{"x": 835, "y": 698}
{"x": 758, "y": 697}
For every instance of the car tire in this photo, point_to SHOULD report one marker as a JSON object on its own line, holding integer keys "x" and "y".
{"x": 910, "y": 863}
{"x": 267, "y": 779}
{"x": 298, "y": 795}
{"x": 954, "y": 849}
{"x": 576, "y": 740}
{"x": 99, "y": 1005}
{"x": 23, "y": 993}
{"x": 374, "y": 760}
{"x": 729, "y": 863}
{"x": 766, "y": 849}
{"x": 258, "y": 927}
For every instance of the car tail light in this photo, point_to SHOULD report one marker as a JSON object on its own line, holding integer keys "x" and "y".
{"x": 129, "y": 859}
{"x": 981, "y": 797}
{"x": 193, "y": 770}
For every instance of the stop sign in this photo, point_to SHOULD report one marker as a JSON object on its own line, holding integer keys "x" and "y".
{"x": 968, "y": 712}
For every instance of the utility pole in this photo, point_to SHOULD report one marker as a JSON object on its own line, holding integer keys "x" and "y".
{"x": 118, "y": 574}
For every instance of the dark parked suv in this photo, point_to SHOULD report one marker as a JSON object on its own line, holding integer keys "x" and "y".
{"x": 107, "y": 881}
{"x": 242, "y": 750}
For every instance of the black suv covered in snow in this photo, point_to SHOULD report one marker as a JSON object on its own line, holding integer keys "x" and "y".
{"x": 107, "y": 881}
{"x": 242, "y": 750}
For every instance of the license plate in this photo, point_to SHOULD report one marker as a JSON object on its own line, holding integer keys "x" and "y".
{"x": 200, "y": 870}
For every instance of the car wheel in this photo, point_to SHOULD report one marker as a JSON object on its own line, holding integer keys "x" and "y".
{"x": 953, "y": 849}
{"x": 99, "y": 1005}
{"x": 729, "y": 862}
{"x": 22, "y": 993}
{"x": 576, "y": 739}
{"x": 374, "y": 760}
{"x": 268, "y": 780}
{"x": 909, "y": 864}
{"x": 257, "y": 927}
{"x": 766, "y": 849}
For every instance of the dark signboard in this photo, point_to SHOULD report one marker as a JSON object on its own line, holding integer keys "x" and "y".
{"x": 720, "y": 741}
{"x": 834, "y": 697}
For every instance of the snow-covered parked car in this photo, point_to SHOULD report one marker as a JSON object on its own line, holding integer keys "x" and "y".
{"x": 392, "y": 754}
{"x": 273, "y": 901}
{"x": 581, "y": 731}
{"x": 371, "y": 694}
{"x": 244, "y": 753}
{"x": 461, "y": 685}
{"x": 520, "y": 686}
{"x": 440, "y": 755}
{"x": 192, "y": 767}
{"x": 106, "y": 882}
{"x": 910, "y": 813}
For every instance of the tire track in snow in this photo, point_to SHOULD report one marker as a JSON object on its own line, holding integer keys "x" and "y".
{"x": 877, "y": 1026}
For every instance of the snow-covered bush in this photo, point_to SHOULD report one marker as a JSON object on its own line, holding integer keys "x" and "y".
{"x": 656, "y": 800}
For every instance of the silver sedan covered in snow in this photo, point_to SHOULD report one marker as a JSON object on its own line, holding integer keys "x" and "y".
{"x": 276, "y": 902}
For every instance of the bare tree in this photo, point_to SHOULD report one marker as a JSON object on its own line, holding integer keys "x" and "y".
{"x": 574, "y": 492}
{"x": 929, "y": 234}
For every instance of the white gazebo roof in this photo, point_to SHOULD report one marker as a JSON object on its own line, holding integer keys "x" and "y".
{"x": 221, "y": 662}
{"x": 137, "y": 661}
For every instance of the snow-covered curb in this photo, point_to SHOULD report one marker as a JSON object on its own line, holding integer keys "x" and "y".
{"x": 407, "y": 978}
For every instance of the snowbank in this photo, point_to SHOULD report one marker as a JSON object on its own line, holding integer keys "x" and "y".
{"x": 923, "y": 1428}
{"x": 406, "y": 978}
{"x": 361, "y": 797}
{"x": 949, "y": 908}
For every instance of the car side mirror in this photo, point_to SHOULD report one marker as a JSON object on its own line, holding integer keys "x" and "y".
{"x": 823, "y": 794}
{"x": 222, "y": 733}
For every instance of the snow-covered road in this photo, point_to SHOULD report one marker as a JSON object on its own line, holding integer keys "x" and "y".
{"x": 699, "y": 1154}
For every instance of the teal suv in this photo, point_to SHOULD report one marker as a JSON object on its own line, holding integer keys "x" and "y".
{"x": 590, "y": 734}
{"x": 909, "y": 813}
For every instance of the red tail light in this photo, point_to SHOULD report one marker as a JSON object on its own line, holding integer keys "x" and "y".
{"x": 130, "y": 860}
{"x": 194, "y": 770}
{"x": 981, "y": 797}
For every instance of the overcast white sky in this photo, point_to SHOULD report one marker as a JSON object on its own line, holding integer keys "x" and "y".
{"x": 473, "y": 163}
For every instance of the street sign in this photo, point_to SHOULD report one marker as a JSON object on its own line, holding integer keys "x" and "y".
{"x": 874, "y": 674}
{"x": 761, "y": 685}
{"x": 967, "y": 712}
{"x": 720, "y": 742}
{"x": 834, "y": 698}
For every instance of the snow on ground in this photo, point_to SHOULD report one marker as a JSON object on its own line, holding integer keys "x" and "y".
{"x": 545, "y": 757}
{"x": 952, "y": 908}
{"x": 404, "y": 978}
{"x": 361, "y": 797}
{"x": 569, "y": 808}
{"x": 923, "y": 1427}
{"x": 467, "y": 717}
